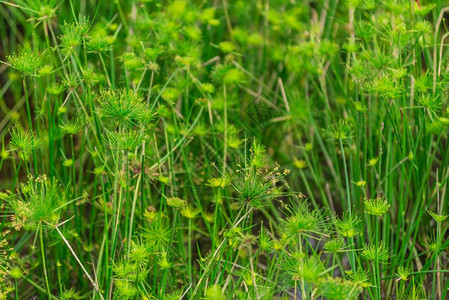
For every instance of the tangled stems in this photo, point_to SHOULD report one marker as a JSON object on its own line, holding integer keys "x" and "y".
{"x": 116, "y": 215}
{"x": 218, "y": 250}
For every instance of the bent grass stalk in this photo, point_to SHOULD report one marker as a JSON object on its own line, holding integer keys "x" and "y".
{"x": 94, "y": 284}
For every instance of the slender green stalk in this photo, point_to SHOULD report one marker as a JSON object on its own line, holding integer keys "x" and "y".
{"x": 30, "y": 122}
{"x": 377, "y": 271}
{"x": 44, "y": 264}
{"x": 348, "y": 201}
{"x": 16, "y": 289}
{"x": 190, "y": 250}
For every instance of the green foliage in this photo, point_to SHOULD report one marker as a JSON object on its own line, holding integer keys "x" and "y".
{"x": 146, "y": 149}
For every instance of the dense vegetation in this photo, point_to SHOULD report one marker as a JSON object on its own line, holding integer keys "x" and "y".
{"x": 227, "y": 149}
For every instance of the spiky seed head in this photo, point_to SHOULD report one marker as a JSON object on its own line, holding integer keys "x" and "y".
{"x": 348, "y": 225}
{"x": 126, "y": 289}
{"x": 170, "y": 95}
{"x": 376, "y": 207}
{"x": 302, "y": 219}
{"x": 45, "y": 70}
{"x": 437, "y": 217}
{"x": 226, "y": 74}
{"x": 163, "y": 261}
{"x": 334, "y": 245}
{"x": 25, "y": 62}
{"x": 69, "y": 294}
{"x": 68, "y": 163}
{"x": 99, "y": 43}
{"x": 23, "y": 139}
{"x": 374, "y": 252}
{"x": 176, "y": 202}
{"x": 299, "y": 163}
{"x": 72, "y": 35}
{"x": 156, "y": 232}
{"x": 127, "y": 140}
{"x": 72, "y": 126}
{"x": 226, "y": 46}
{"x": 360, "y": 277}
{"x": 214, "y": 292}
{"x": 70, "y": 81}
{"x": 342, "y": 131}
{"x": 432, "y": 242}
{"x": 258, "y": 158}
{"x": 55, "y": 88}
{"x": 299, "y": 266}
{"x": 121, "y": 106}
{"x": 139, "y": 252}
{"x": 15, "y": 272}
{"x": 423, "y": 27}
{"x": 265, "y": 241}
{"x": 218, "y": 182}
{"x": 190, "y": 212}
{"x": 208, "y": 88}
{"x": 403, "y": 273}
{"x": 37, "y": 201}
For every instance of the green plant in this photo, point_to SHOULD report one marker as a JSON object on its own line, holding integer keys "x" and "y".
{"x": 223, "y": 149}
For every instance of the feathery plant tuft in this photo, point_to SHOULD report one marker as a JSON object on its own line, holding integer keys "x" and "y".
{"x": 192, "y": 149}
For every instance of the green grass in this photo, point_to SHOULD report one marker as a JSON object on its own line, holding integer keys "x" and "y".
{"x": 224, "y": 149}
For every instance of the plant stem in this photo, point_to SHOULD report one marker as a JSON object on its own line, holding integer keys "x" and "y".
{"x": 44, "y": 265}
{"x": 377, "y": 274}
{"x": 348, "y": 201}
{"x": 16, "y": 288}
{"x": 30, "y": 122}
{"x": 190, "y": 249}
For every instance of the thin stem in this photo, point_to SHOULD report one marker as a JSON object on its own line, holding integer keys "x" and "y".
{"x": 251, "y": 263}
{"x": 225, "y": 138}
{"x": 190, "y": 249}
{"x": 30, "y": 122}
{"x": 16, "y": 288}
{"x": 73, "y": 166}
{"x": 303, "y": 285}
{"x": 377, "y": 273}
{"x": 348, "y": 201}
{"x": 348, "y": 196}
{"x": 44, "y": 265}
